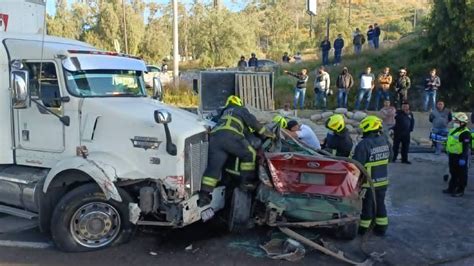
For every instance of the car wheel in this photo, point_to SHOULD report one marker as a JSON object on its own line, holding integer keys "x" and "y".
{"x": 84, "y": 220}
{"x": 240, "y": 209}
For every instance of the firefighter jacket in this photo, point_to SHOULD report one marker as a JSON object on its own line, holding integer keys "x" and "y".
{"x": 374, "y": 152}
{"x": 340, "y": 142}
{"x": 240, "y": 121}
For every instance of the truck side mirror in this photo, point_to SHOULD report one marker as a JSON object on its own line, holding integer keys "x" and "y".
{"x": 162, "y": 116}
{"x": 20, "y": 88}
{"x": 157, "y": 89}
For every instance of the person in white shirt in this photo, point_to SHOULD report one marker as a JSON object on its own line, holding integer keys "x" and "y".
{"x": 304, "y": 133}
{"x": 367, "y": 84}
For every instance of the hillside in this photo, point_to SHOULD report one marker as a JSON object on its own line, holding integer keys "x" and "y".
{"x": 405, "y": 53}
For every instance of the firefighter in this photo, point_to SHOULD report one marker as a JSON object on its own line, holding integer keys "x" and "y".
{"x": 458, "y": 148}
{"x": 374, "y": 152}
{"x": 229, "y": 138}
{"x": 338, "y": 140}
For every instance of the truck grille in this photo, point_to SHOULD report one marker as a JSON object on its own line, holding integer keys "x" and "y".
{"x": 196, "y": 148}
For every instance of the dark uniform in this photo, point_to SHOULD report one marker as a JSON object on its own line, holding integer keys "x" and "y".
{"x": 458, "y": 148}
{"x": 404, "y": 124}
{"x": 340, "y": 142}
{"x": 228, "y": 138}
{"x": 374, "y": 153}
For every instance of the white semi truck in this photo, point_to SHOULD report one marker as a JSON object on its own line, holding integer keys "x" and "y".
{"x": 82, "y": 148}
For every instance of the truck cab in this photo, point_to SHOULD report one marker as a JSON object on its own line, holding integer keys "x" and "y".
{"x": 83, "y": 149}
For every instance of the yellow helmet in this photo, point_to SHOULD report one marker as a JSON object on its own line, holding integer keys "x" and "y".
{"x": 461, "y": 117}
{"x": 280, "y": 120}
{"x": 370, "y": 123}
{"x": 336, "y": 123}
{"x": 235, "y": 100}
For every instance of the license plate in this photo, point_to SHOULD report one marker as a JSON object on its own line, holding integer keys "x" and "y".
{"x": 207, "y": 214}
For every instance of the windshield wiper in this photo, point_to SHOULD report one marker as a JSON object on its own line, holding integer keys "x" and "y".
{"x": 125, "y": 94}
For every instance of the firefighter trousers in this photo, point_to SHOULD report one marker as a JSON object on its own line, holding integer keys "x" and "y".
{"x": 222, "y": 144}
{"x": 369, "y": 213}
{"x": 458, "y": 181}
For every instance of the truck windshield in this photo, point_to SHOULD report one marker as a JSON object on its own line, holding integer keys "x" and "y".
{"x": 105, "y": 83}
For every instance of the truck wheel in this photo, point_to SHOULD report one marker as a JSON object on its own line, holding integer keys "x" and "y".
{"x": 239, "y": 213}
{"x": 347, "y": 231}
{"x": 84, "y": 220}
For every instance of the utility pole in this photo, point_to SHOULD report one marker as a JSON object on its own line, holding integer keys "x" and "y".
{"x": 350, "y": 9}
{"x": 124, "y": 27}
{"x": 414, "y": 21}
{"x": 175, "y": 45}
{"x": 217, "y": 4}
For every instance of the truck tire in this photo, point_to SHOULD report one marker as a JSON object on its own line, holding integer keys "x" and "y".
{"x": 240, "y": 209}
{"x": 347, "y": 231}
{"x": 84, "y": 220}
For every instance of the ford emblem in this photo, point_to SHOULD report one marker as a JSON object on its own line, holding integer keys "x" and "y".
{"x": 313, "y": 164}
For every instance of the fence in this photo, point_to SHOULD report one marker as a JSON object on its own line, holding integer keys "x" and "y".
{"x": 256, "y": 90}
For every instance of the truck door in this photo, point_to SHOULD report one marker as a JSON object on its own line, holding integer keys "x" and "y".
{"x": 36, "y": 128}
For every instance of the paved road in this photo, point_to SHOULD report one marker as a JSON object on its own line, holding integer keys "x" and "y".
{"x": 426, "y": 227}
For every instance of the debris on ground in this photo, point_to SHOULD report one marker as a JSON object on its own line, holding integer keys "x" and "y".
{"x": 280, "y": 249}
{"x": 189, "y": 248}
{"x": 152, "y": 253}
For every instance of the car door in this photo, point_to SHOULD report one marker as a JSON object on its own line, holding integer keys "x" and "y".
{"x": 36, "y": 128}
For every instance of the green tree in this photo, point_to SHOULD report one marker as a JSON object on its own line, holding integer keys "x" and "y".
{"x": 451, "y": 39}
{"x": 62, "y": 23}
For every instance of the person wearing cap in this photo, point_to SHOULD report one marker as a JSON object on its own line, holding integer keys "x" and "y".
{"x": 458, "y": 148}
{"x": 303, "y": 133}
{"x": 402, "y": 85}
{"x": 374, "y": 153}
{"x": 338, "y": 140}
{"x": 228, "y": 138}
{"x": 253, "y": 61}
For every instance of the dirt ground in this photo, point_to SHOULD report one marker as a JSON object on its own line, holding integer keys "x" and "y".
{"x": 426, "y": 228}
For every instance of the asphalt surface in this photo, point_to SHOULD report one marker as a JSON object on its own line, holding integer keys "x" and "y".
{"x": 426, "y": 228}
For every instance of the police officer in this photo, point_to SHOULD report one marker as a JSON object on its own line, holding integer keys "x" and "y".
{"x": 458, "y": 148}
{"x": 338, "y": 140}
{"x": 229, "y": 138}
{"x": 374, "y": 152}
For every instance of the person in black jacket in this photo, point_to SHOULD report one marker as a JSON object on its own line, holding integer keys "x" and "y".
{"x": 300, "y": 89}
{"x": 373, "y": 152}
{"x": 325, "y": 47}
{"x": 242, "y": 64}
{"x": 338, "y": 45}
{"x": 338, "y": 140}
{"x": 228, "y": 138}
{"x": 253, "y": 61}
{"x": 404, "y": 124}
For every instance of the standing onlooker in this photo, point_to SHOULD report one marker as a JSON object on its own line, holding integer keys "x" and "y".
{"x": 253, "y": 61}
{"x": 370, "y": 36}
{"x": 404, "y": 124}
{"x": 344, "y": 83}
{"x": 285, "y": 58}
{"x": 321, "y": 88}
{"x": 242, "y": 64}
{"x": 458, "y": 148}
{"x": 432, "y": 84}
{"x": 384, "y": 81}
{"x": 338, "y": 45}
{"x": 358, "y": 40}
{"x": 387, "y": 113}
{"x": 367, "y": 84}
{"x": 300, "y": 89}
{"x": 402, "y": 85}
{"x": 376, "y": 35}
{"x": 325, "y": 47}
{"x": 297, "y": 57}
{"x": 286, "y": 111}
{"x": 304, "y": 133}
{"x": 440, "y": 118}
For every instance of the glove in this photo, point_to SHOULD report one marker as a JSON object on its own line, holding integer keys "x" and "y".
{"x": 462, "y": 162}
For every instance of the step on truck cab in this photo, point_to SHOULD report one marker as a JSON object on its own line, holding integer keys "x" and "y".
{"x": 83, "y": 149}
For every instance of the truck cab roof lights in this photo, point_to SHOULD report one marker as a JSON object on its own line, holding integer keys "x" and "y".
{"x": 102, "y": 53}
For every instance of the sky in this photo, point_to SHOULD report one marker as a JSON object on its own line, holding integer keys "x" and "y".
{"x": 231, "y": 4}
